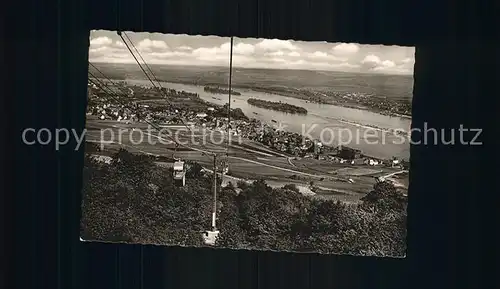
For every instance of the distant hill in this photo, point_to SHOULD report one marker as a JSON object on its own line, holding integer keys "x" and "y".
{"x": 390, "y": 86}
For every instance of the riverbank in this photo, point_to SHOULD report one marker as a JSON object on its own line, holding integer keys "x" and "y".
{"x": 371, "y": 109}
{"x": 330, "y": 98}
{"x": 399, "y": 132}
{"x": 319, "y": 117}
{"x": 386, "y": 95}
{"x": 346, "y": 100}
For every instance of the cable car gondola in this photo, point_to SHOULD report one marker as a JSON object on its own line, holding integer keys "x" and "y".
{"x": 179, "y": 173}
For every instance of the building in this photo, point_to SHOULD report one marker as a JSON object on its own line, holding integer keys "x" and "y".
{"x": 395, "y": 163}
{"x": 210, "y": 237}
{"x": 372, "y": 162}
{"x": 349, "y": 153}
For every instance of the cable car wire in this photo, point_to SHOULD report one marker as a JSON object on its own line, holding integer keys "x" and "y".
{"x": 109, "y": 80}
{"x": 143, "y": 70}
{"x": 103, "y": 86}
{"x": 147, "y": 66}
{"x": 229, "y": 100}
{"x": 149, "y": 78}
{"x": 99, "y": 85}
{"x": 214, "y": 213}
{"x": 168, "y": 102}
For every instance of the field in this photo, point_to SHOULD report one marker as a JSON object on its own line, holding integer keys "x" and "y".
{"x": 247, "y": 160}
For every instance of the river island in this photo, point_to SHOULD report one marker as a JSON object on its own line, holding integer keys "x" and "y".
{"x": 218, "y": 90}
{"x": 277, "y": 106}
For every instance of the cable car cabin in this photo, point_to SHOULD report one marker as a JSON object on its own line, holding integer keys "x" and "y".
{"x": 210, "y": 237}
{"x": 225, "y": 168}
{"x": 179, "y": 173}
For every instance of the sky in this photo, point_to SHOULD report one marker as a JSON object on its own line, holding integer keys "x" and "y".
{"x": 182, "y": 49}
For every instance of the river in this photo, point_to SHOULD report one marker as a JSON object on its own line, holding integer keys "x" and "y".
{"x": 331, "y": 124}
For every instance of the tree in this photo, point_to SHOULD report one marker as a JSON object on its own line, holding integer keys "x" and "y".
{"x": 385, "y": 196}
{"x": 231, "y": 235}
{"x": 272, "y": 218}
{"x": 131, "y": 200}
{"x": 291, "y": 187}
{"x": 195, "y": 170}
{"x": 241, "y": 184}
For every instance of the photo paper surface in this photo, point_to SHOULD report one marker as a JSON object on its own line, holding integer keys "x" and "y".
{"x": 242, "y": 143}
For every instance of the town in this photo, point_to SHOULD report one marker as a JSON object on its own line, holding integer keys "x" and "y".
{"x": 190, "y": 109}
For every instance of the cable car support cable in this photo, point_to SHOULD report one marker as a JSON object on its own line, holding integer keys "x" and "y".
{"x": 105, "y": 90}
{"x": 147, "y": 66}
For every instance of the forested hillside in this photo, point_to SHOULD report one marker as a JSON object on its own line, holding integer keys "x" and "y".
{"x": 133, "y": 200}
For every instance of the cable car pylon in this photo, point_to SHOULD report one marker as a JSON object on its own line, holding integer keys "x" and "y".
{"x": 225, "y": 160}
{"x": 209, "y": 236}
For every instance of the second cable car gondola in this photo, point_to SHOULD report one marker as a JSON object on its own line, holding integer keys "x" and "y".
{"x": 225, "y": 168}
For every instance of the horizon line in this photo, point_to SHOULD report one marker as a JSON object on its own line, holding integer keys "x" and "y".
{"x": 240, "y": 67}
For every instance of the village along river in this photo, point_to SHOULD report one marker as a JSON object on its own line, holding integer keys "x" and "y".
{"x": 328, "y": 123}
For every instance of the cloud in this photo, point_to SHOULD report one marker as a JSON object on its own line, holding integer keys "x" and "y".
{"x": 275, "y": 53}
{"x": 371, "y": 61}
{"x": 147, "y": 45}
{"x": 345, "y": 48}
{"x": 319, "y": 54}
{"x": 169, "y": 54}
{"x": 374, "y": 63}
{"x": 243, "y": 49}
{"x": 388, "y": 63}
{"x": 276, "y": 44}
{"x": 239, "y": 48}
{"x": 105, "y": 49}
{"x": 323, "y": 56}
{"x": 100, "y": 41}
{"x": 98, "y": 49}
{"x": 252, "y": 53}
{"x": 214, "y": 55}
{"x": 408, "y": 60}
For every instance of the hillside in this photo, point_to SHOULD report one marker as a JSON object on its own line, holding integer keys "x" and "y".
{"x": 132, "y": 200}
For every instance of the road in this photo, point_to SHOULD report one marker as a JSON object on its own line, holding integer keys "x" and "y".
{"x": 279, "y": 168}
{"x": 249, "y": 160}
{"x": 255, "y": 162}
{"x": 392, "y": 174}
{"x": 211, "y": 153}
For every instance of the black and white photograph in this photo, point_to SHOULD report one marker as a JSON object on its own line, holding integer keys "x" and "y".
{"x": 244, "y": 143}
